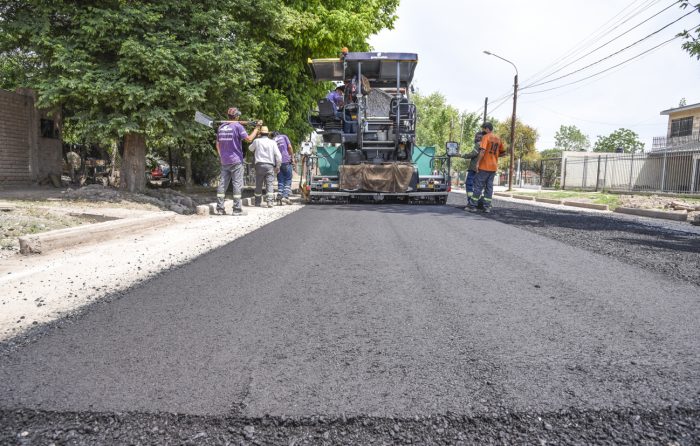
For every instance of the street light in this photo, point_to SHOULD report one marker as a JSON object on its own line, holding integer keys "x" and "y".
{"x": 512, "y": 122}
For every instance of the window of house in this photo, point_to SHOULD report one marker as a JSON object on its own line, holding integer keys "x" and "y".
{"x": 682, "y": 127}
{"x": 48, "y": 129}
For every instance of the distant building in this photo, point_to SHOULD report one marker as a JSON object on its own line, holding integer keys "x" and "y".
{"x": 683, "y": 129}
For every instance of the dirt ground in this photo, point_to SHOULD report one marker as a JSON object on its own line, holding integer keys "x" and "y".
{"x": 662, "y": 202}
{"x": 34, "y": 210}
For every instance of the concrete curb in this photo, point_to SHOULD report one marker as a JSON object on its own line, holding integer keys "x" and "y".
{"x": 549, "y": 200}
{"x": 63, "y": 238}
{"x": 503, "y": 194}
{"x": 247, "y": 202}
{"x": 578, "y": 204}
{"x": 524, "y": 197}
{"x": 653, "y": 213}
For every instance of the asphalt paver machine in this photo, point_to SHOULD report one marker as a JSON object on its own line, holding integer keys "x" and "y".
{"x": 368, "y": 151}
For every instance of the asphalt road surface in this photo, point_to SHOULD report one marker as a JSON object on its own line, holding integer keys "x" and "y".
{"x": 383, "y": 324}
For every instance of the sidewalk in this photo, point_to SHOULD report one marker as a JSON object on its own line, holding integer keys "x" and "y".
{"x": 41, "y": 288}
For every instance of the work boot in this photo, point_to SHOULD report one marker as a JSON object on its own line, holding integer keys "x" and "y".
{"x": 269, "y": 204}
{"x": 220, "y": 211}
{"x": 487, "y": 210}
{"x": 237, "y": 212}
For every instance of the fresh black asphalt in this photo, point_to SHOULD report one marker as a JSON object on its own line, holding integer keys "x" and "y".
{"x": 359, "y": 324}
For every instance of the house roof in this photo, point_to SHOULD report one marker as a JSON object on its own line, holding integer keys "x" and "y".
{"x": 680, "y": 109}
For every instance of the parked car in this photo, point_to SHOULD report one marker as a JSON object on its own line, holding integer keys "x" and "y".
{"x": 159, "y": 170}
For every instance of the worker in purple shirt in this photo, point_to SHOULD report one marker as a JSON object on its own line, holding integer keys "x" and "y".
{"x": 229, "y": 145}
{"x": 336, "y": 98}
{"x": 284, "y": 177}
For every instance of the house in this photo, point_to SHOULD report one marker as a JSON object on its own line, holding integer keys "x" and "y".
{"x": 683, "y": 129}
{"x": 30, "y": 144}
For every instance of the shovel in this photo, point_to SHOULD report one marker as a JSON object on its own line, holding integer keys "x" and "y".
{"x": 203, "y": 119}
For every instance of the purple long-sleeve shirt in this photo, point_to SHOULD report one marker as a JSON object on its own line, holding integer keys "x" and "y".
{"x": 283, "y": 143}
{"x": 230, "y": 137}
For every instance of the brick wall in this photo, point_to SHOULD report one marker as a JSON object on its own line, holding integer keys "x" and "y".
{"x": 25, "y": 156}
{"x": 15, "y": 144}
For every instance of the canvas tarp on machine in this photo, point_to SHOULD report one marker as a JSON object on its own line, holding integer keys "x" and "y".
{"x": 385, "y": 178}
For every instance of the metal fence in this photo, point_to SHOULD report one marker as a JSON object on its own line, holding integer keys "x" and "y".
{"x": 675, "y": 171}
{"x": 545, "y": 173}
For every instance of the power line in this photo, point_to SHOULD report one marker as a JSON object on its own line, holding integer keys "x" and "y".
{"x": 595, "y": 36}
{"x": 603, "y": 45}
{"x": 587, "y": 42}
{"x": 584, "y": 85}
{"x": 610, "y": 55}
{"x": 607, "y": 69}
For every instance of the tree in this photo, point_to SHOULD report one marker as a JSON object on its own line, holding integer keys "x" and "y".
{"x": 692, "y": 43}
{"x": 624, "y": 138}
{"x": 550, "y": 153}
{"x": 439, "y": 122}
{"x": 570, "y": 138}
{"x": 525, "y": 139}
{"x": 127, "y": 69}
{"x": 436, "y": 120}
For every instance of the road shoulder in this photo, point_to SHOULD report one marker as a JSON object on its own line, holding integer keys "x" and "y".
{"x": 39, "y": 289}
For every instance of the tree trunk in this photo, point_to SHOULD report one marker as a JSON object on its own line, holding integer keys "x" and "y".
{"x": 113, "y": 163}
{"x": 133, "y": 172}
{"x": 188, "y": 169}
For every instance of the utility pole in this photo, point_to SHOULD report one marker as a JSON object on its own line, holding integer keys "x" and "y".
{"x": 512, "y": 121}
{"x": 512, "y": 131}
{"x": 486, "y": 106}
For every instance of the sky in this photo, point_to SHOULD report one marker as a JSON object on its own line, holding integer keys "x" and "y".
{"x": 545, "y": 38}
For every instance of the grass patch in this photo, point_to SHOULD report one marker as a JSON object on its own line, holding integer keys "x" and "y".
{"x": 591, "y": 197}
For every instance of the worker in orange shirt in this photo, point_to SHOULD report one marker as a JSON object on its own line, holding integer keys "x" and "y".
{"x": 490, "y": 149}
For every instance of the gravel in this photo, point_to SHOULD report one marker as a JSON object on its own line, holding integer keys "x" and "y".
{"x": 672, "y": 426}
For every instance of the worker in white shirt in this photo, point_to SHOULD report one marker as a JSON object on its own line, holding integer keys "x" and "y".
{"x": 268, "y": 160}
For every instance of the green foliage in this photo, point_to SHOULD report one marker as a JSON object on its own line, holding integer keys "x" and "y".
{"x": 692, "y": 37}
{"x": 132, "y": 66}
{"x": 435, "y": 120}
{"x": 625, "y": 138}
{"x": 550, "y": 153}
{"x": 439, "y": 122}
{"x": 525, "y": 139}
{"x": 570, "y": 138}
